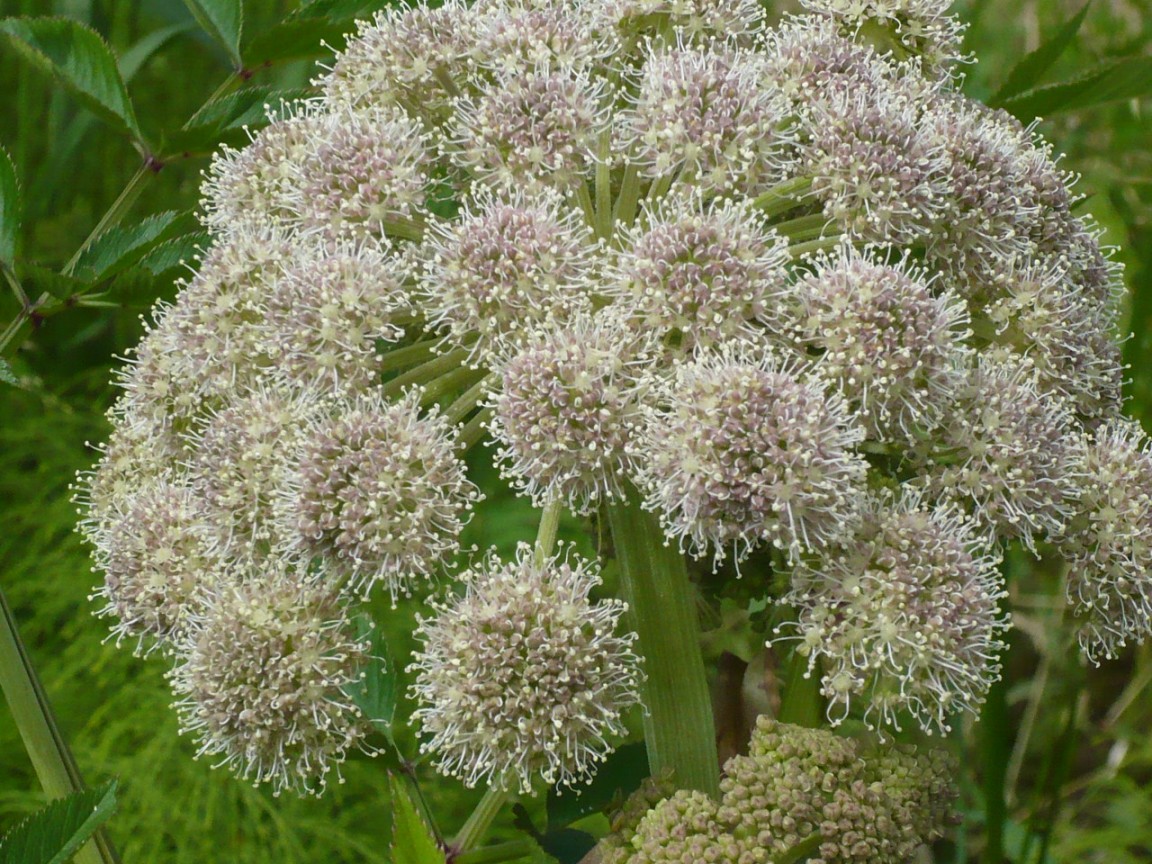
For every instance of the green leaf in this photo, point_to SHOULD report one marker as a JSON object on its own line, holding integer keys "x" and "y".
{"x": 174, "y": 253}
{"x": 136, "y": 56}
{"x": 123, "y": 245}
{"x": 335, "y": 9}
{"x": 619, "y": 776}
{"x": 1126, "y": 79}
{"x": 38, "y": 279}
{"x": 81, "y": 60}
{"x": 299, "y": 39}
{"x": 375, "y": 694}
{"x": 244, "y": 109}
{"x": 6, "y": 373}
{"x": 412, "y": 840}
{"x": 52, "y": 835}
{"x": 1027, "y": 73}
{"x": 223, "y": 21}
{"x": 11, "y": 208}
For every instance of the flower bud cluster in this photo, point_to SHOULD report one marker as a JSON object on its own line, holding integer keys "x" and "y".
{"x": 783, "y": 284}
{"x": 797, "y": 785}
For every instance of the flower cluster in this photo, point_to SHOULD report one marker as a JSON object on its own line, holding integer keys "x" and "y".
{"x": 523, "y": 677}
{"x": 782, "y": 285}
{"x": 796, "y": 786}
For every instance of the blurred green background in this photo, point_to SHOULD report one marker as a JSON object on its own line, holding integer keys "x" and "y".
{"x": 1076, "y": 740}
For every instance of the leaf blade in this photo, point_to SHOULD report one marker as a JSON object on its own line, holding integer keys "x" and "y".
{"x": 81, "y": 60}
{"x": 11, "y": 208}
{"x": 1130, "y": 78}
{"x": 123, "y": 245}
{"x": 223, "y": 20}
{"x": 375, "y": 694}
{"x": 244, "y": 109}
{"x": 53, "y": 834}
{"x": 412, "y": 840}
{"x": 1027, "y": 73}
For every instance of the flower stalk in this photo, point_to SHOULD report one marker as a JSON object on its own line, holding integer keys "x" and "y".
{"x": 678, "y": 727}
{"x": 49, "y": 752}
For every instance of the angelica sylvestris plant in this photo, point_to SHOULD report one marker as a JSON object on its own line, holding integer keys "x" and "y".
{"x": 774, "y": 305}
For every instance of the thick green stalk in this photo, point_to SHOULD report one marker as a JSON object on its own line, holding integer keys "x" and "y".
{"x": 46, "y": 747}
{"x": 679, "y": 730}
{"x": 477, "y": 824}
{"x": 510, "y": 850}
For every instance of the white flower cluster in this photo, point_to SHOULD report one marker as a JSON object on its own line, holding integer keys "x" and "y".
{"x": 786, "y": 285}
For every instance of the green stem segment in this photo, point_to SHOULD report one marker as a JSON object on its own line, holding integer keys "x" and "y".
{"x": 678, "y": 728}
{"x": 477, "y": 824}
{"x": 507, "y": 851}
{"x": 546, "y": 534}
{"x": 46, "y": 747}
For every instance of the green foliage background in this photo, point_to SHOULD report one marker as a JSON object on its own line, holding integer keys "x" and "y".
{"x": 1076, "y": 739}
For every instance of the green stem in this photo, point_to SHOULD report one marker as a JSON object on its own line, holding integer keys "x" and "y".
{"x": 425, "y": 372}
{"x": 803, "y": 228}
{"x": 629, "y": 198}
{"x": 584, "y": 197}
{"x": 472, "y": 431}
{"x": 404, "y": 228}
{"x": 783, "y": 197}
{"x": 678, "y": 727}
{"x": 400, "y": 358}
{"x": 821, "y": 244}
{"x": 507, "y": 851}
{"x": 604, "y": 186}
{"x": 481, "y": 818}
{"x": 114, "y": 214}
{"x": 465, "y": 377}
{"x": 546, "y": 534}
{"x": 464, "y": 404}
{"x": 49, "y": 752}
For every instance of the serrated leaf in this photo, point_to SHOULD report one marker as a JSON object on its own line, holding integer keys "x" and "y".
{"x": 299, "y": 39}
{"x": 174, "y": 253}
{"x": 52, "y": 835}
{"x": 223, "y": 20}
{"x": 38, "y": 279}
{"x": 1126, "y": 79}
{"x": 123, "y": 245}
{"x": 619, "y": 776}
{"x": 412, "y": 840}
{"x": 81, "y": 60}
{"x": 11, "y": 208}
{"x": 246, "y": 108}
{"x": 1028, "y": 72}
{"x": 375, "y": 693}
{"x": 6, "y": 373}
{"x": 335, "y": 9}
{"x": 136, "y": 56}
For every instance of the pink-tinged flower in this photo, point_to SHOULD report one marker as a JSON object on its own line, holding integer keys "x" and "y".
{"x": 878, "y": 171}
{"x": 892, "y": 344}
{"x": 1108, "y": 543}
{"x": 377, "y": 493}
{"x": 413, "y": 57}
{"x": 695, "y": 275}
{"x": 523, "y": 678}
{"x": 704, "y": 114}
{"x": 569, "y": 396}
{"x": 158, "y": 554}
{"x": 509, "y": 262}
{"x": 1009, "y": 451}
{"x": 741, "y": 448}
{"x": 532, "y": 129}
{"x": 904, "y": 618}
{"x": 261, "y": 680}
